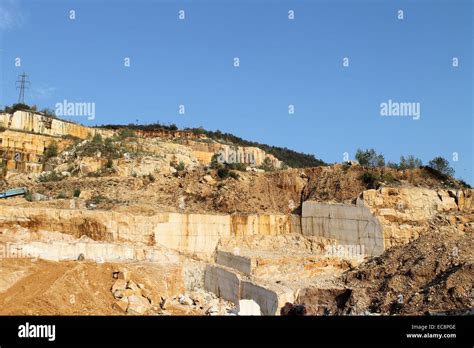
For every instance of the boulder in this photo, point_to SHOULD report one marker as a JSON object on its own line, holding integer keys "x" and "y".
{"x": 185, "y": 300}
{"x": 248, "y": 307}
{"x": 35, "y": 197}
{"x": 137, "y": 305}
{"x": 121, "y": 304}
{"x": 119, "y": 284}
{"x": 208, "y": 179}
{"x": 119, "y": 293}
{"x": 130, "y": 292}
{"x": 122, "y": 274}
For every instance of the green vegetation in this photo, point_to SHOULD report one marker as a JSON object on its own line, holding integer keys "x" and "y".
{"x": 223, "y": 172}
{"x": 109, "y": 164}
{"x": 26, "y": 107}
{"x": 464, "y": 184}
{"x": 97, "y": 139}
{"x": 144, "y": 127}
{"x": 51, "y": 151}
{"x": 410, "y": 162}
{"x": 234, "y": 175}
{"x": 373, "y": 180}
{"x": 126, "y": 133}
{"x": 267, "y": 165}
{"x": 442, "y": 166}
{"x": 180, "y": 167}
{"x": 98, "y": 198}
{"x": 77, "y": 192}
{"x": 369, "y": 158}
{"x": 107, "y": 148}
{"x": 29, "y": 196}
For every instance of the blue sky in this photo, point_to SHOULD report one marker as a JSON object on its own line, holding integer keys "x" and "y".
{"x": 190, "y": 62}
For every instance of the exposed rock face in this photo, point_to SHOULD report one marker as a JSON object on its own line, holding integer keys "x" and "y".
{"x": 37, "y": 123}
{"x": 193, "y": 233}
{"x": 29, "y": 134}
{"x": 405, "y": 212}
{"x": 349, "y": 225}
{"x": 230, "y": 153}
{"x": 23, "y": 151}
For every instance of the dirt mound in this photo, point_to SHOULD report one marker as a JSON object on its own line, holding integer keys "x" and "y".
{"x": 434, "y": 273}
{"x": 74, "y": 288}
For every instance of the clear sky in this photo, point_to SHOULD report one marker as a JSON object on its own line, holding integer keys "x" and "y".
{"x": 283, "y": 62}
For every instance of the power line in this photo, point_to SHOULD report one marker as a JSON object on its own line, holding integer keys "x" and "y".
{"x": 22, "y": 83}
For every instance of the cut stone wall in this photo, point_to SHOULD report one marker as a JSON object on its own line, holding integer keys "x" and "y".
{"x": 197, "y": 234}
{"x": 243, "y": 264}
{"x": 231, "y": 286}
{"x": 37, "y": 123}
{"x": 347, "y": 224}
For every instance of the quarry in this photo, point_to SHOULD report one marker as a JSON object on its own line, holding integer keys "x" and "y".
{"x": 171, "y": 222}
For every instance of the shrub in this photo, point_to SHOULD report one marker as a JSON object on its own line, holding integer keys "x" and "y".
{"x": 109, "y": 164}
{"x": 464, "y": 184}
{"x": 127, "y": 133}
{"x": 77, "y": 192}
{"x": 441, "y": 165}
{"x": 371, "y": 180}
{"x": 29, "y": 196}
{"x": 234, "y": 175}
{"x": 151, "y": 177}
{"x": 51, "y": 151}
{"x": 237, "y": 166}
{"x": 223, "y": 172}
{"x": 180, "y": 167}
{"x": 267, "y": 165}
{"x": 97, "y": 139}
{"x": 98, "y": 198}
{"x": 388, "y": 178}
{"x": 411, "y": 162}
{"x": 214, "y": 161}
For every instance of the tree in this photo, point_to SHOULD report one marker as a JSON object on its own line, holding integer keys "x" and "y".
{"x": 411, "y": 162}
{"x": 369, "y": 158}
{"x": 441, "y": 165}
